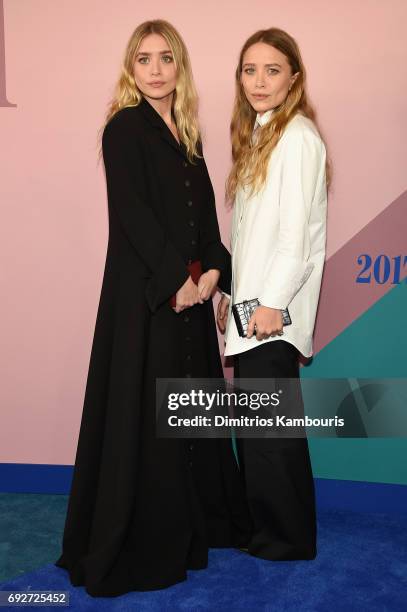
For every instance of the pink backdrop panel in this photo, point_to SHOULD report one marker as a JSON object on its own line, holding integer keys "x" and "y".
{"x": 61, "y": 62}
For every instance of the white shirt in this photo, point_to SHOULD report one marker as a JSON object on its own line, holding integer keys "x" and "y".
{"x": 278, "y": 237}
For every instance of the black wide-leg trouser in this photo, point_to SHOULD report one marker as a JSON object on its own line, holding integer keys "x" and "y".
{"x": 277, "y": 472}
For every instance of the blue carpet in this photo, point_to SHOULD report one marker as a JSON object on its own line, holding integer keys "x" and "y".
{"x": 361, "y": 565}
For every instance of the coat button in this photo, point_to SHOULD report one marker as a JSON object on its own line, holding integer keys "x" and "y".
{"x": 186, "y": 318}
{"x": 187, "y": 183}
{"x": 193, "y": 242}
{"x": 191, "y": 223}
{"x": 188, "y": 375}
{"x": 188, "y": 338}
{"x": 191, "y": 446}
{"x": 189, "y": 203}
{"x": 188, "y": 357}
{"x": 185, "y": 164}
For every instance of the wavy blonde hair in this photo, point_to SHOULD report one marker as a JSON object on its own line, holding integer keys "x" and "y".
{"x": 185, "y": 100}
{"x": 250, "y": 160}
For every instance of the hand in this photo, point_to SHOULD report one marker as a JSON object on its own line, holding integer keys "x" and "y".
{"x": 222, "y": 314}
{"x": 207, "y": 283}
{"x": 186, "y": 296}
{"x": 268, "y": 322}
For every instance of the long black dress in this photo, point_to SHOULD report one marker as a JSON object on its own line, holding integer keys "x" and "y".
{"x": 142, "y": 510}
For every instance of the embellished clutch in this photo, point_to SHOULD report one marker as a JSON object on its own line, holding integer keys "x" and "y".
{"x": 244, "y": 310}
{"x": 195, "y": 270}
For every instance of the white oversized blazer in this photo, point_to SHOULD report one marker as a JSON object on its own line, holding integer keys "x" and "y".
{"x": 278, "y": 237}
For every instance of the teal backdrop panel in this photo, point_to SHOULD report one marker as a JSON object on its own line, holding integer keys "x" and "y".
{"x": 374, "y": 345}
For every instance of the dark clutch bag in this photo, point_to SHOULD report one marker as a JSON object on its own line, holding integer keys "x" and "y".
{"x": 244, "y": 310}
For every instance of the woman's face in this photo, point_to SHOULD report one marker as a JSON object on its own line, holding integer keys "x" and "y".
{"x": 266, "y": 76}
{"x": 154, "y": 68}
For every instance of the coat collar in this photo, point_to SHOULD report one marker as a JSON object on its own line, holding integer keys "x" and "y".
{"x": 264, "y": 118}
{"x": 158, "y": 122}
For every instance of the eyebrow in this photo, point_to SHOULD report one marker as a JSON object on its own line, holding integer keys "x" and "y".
{"x": 146, "y": 53}
{"x": 267, "y": 65}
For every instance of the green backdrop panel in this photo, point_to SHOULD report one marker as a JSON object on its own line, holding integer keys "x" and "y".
{"x": 372, "y": 346}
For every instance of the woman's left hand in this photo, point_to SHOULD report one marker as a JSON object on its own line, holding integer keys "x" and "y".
{"x": 207, "y": 283}
{"x": 268, "y": 322}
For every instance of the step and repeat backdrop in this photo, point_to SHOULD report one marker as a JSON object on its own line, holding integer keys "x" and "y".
{"x": 59, "y": 61}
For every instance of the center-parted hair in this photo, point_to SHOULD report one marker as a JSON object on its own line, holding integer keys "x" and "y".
{"x": 185, "y": 102}
{"x": 250, "y": 160}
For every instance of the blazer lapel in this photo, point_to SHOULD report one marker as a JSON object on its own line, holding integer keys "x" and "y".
{"x": 158, "y": 122}
{"x": 169, "y": 137}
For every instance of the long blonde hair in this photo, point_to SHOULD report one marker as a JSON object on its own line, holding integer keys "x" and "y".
{"x": 185, "y": 100}
{"x": 250, "y": 160}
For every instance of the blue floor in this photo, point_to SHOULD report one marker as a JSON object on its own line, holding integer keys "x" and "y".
{"x": 361, "y": 565}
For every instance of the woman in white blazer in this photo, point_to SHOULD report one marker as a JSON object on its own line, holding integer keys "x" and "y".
{"x": 278, "y": 184}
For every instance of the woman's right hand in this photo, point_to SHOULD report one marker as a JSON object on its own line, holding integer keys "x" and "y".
{"x": 186, "y": 296}
{"x": 222, "y": 314}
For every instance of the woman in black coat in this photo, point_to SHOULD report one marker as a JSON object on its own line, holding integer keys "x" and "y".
{"x": 142, "y": 510}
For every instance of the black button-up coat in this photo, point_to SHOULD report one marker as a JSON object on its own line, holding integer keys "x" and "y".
{"x": 162, "y": 203}
{"x": 142, "y": 509}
